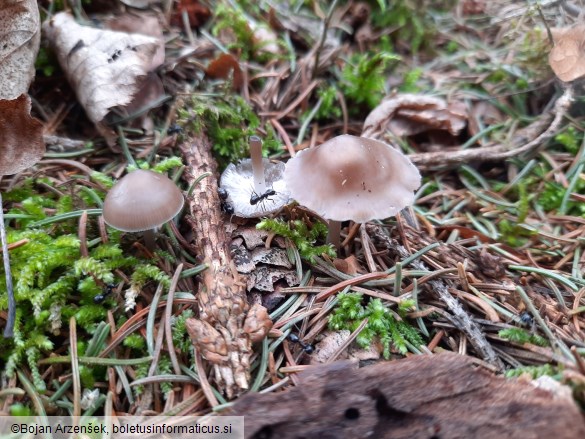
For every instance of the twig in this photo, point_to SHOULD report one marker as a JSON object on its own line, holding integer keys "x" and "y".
{"x": 435, "y": 160}
{"x": 9, "y": 329}
{"x": 168, "y": 314}
{"x": 319, "y": 46}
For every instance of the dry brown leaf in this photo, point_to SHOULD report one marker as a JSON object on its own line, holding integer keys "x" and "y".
{"x": 104, "y": 67}
{"x": 567, "y": 57}
{"x": 197, "y": 13}
{"x": 20, "y": 34}
{"x": 223, "y": 66}
{"x": 21, "y": 136}
{"x": 410, "y": 114}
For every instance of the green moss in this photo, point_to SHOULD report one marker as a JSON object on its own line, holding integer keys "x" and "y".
{"x": 228, "y": 120}
{"x": 302, "y": 236}
{"x": 53, "y": 282}
{"x": 519, "y": 335}
{"x": 535, "y": 371}
{"x": 382, "y": 323}
{"x": 364, "y": 78}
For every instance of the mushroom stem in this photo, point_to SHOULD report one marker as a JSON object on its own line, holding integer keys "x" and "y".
{"x": 333, "y": 237}
{"x": 257, "y": 165}
{"x": 149, "y": 239}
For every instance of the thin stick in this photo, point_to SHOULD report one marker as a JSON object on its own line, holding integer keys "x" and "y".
{"x": 500, "y": 151}
{"x": 168, "y": 315}
{"x": 9, "y": 329}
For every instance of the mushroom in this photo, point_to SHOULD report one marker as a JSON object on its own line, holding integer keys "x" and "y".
{"x": 352, "y": 178}
{"x": 254, "y": 187}
{"x": 141, "y": 202}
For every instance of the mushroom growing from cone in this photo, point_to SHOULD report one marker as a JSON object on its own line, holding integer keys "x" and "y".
{"x": 142, "y": 201}
{"x": 352, "y": 178}
{"x": 255, "y": 187}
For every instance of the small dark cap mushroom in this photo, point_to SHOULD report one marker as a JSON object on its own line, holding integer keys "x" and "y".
{"x": 142, "y": 201}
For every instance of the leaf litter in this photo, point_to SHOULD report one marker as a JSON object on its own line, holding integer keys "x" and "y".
{"x": 490, "y": 257}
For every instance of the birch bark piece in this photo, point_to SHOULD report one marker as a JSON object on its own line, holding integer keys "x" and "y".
{"x": 20, "y": 34}
{"x": 104, "y": 67}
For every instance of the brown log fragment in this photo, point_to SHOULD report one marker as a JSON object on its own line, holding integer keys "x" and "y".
{"x": 440, "y": 396}
{"x": 226, "y": 325}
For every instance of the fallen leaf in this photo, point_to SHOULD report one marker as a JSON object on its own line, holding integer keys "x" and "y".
{"x": 223, "y": 66}
{"x": 481, "y": 115}
{"x": 21, "y": 136}
{"x": 144, "y": 24}
{"x": 20, "y": 34}
{"x": 264, "y": 278}
{"x": 271, "y": 256}
{"x": 567, "y": 58}
{"x": 104, "y": 67}
{"x": 253, "y": 237}
{"x": 197, "y": 13}
{"x": 410, "y": 114}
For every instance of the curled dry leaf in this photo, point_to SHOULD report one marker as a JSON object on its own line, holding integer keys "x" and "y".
{"x": 567, "y": 58}
{"x": 21, "y": 136}
{"x": 103, "y": 67}
{"x": 20, "y": 34}
{"x": 223, "y": 66}
{"x": 410, "y": 114}
{"x": 197, "y": 13}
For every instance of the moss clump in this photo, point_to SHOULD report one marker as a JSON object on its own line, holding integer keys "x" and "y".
{"x": 229, "y": 122}
{"x": 382, "y": 323}
{"x": 52, "y": 281}
{"x": 301, "y": 235}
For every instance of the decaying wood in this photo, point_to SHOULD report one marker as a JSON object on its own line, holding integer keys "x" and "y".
{"x": 424, "y": 396}
{"x": 226, "y": 326}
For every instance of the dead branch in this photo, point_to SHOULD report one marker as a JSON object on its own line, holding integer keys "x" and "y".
{"x": 226, "y": 326}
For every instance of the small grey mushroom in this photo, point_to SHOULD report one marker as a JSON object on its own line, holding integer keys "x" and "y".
{"x": 142, "y": 201}
{"x": 255, "y": 187}
{"x": 352, "y": 178}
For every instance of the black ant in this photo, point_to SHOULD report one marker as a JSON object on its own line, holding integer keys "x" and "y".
{"x": 255, "y": 198}
{"x": 226, "y": 207}
{"x": 526, "y": 319}
{"x": 107, "y": 291}
{"x": 174, "y": 129}
{"x": 223, "y": 194}
{"x": 308, "y": 348}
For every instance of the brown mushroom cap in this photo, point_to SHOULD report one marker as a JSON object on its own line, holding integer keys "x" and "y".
{"x": 352, "y": 178}
{"x": 142, "y": 200}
